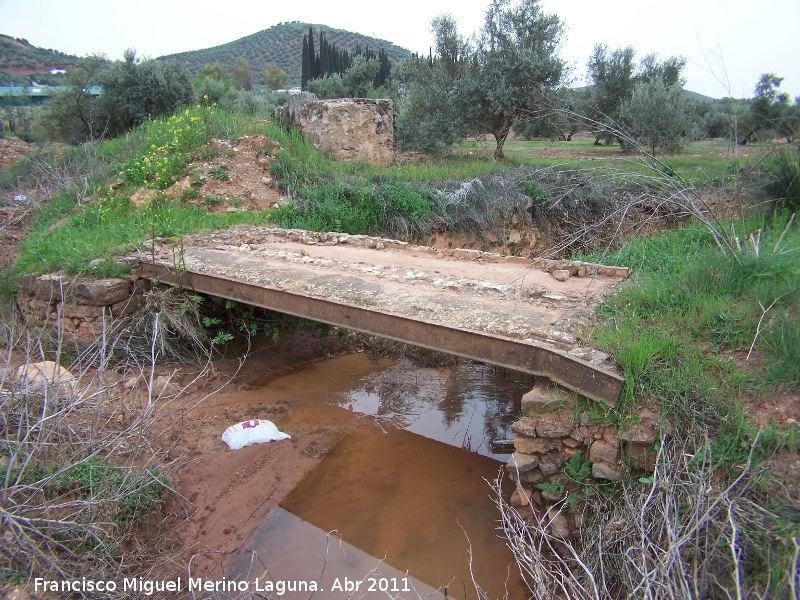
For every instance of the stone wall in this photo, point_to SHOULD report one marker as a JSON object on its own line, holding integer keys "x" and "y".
{"x": 346, "y": 128}
{"x": 78, "y": 306}
{"x": 557, "y": 424}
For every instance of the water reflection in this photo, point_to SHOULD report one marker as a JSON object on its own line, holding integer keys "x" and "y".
{"x": 465, "y": 406}
{"x": 393, "y": 490}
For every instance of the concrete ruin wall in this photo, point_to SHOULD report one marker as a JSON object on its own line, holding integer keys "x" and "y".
{"x": 359, "y": 129}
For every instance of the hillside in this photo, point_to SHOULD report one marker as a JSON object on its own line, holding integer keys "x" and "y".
{"x": 281, "y": 44}
{"x": 21, "y": 62}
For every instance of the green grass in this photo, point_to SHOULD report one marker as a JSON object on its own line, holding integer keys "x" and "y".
{"x": 112, "y": 226}
{"x": 702, "y": 163}
{"x": 675, "y": 329}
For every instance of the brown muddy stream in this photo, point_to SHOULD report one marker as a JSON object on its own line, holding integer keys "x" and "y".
{"x": 405, "y": 489}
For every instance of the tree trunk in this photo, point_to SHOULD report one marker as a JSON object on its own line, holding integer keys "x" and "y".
{"x": 500, "y": 137}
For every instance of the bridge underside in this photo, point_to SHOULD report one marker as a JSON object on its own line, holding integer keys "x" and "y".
{"x": 404, "y": 294}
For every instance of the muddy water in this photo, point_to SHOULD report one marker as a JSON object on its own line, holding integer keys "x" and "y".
{"x": 406, "y": 487}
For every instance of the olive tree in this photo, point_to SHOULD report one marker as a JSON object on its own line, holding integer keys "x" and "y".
{"x": 513, "y": 69}
{"x": 275, "y": 77}
{"x": 659, "y": 117}
{"x": 492, "y": 82}
{"x": 135, "y": 90}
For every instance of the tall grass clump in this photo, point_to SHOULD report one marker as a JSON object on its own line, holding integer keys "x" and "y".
{"x": 782, "y": 169}
{"x": 389, "y": 207}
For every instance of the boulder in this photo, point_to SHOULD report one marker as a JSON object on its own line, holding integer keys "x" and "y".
{"x": 45, "y": 374}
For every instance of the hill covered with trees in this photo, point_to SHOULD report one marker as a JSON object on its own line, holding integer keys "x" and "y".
{"x": 21, "y": 62}
{"x": 282, "y": 44}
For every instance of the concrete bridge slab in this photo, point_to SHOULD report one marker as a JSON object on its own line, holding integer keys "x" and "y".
{"x": 507, "y": 311}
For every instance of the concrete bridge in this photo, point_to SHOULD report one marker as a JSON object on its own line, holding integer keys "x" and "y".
{"x": 507, "y": 311}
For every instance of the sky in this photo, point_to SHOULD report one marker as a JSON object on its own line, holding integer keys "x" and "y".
{"x": 728, "y": 44}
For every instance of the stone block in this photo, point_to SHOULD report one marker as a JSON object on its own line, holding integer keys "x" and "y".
{"x": 524, "y": 495}
{"x": 602, "y": 451}
{"x": 551, "y": 463}
{"x": 101, "y": 292}
{"x": 641, "y": 456}
{"x": 49, "y": 287}
{"x": 528, "y": 445}
{"x": 605, "y": 471}
{"x": 522, "y": 462}
{"x": 524, "y": 426}
{"x": 82, "y": 312}
{"x": 558, "y": 524}
{"x": 127, "y": 307}
{"x": 561, "y": 274}
{"x": 545, "y": 397}
{"x": 533, "y": 477}
{"x": 646, "y": 430}
{"x": 553, "y": 425}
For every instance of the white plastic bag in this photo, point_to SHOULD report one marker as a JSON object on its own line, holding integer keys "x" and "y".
{"x": 252, "y": 432}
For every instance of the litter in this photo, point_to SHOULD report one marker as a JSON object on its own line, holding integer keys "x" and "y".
{"x": 252, "y": 432}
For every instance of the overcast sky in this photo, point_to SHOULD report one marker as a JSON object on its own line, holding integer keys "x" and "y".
{"x": 727, "y": 43}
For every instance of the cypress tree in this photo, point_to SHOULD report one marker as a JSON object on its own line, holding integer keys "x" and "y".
{"x": 305, "y": 70}
{"x": 312, "y": 55}
{"x": 322, "y": 55}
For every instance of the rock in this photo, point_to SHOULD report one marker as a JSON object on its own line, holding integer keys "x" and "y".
{"x": 553, "y": 425}
{"x": 550, "y": 464}
{"x": 522, "y": 463}
{"x": 534, "y": 476}
{"x": 605, "y": 471}
{"x": 524, "y": 426}
{"x": 643, "y": 432}
{"x": 101, "y": 292}
{"x": 528, "y": 445}
{"x": 45, "y": 374}
{"x": 641, "y": 456}
{"x": 558, "y": 524}
{"x": 142, "y": 197}
{"x": 522, "y": 496}
{"x": 602, "y": 451}
{"x": 560, "y": 274}
{"x": 164, "y": 385}
{"x": 46, "y": 288}
{"x": 346, "y": 128}
{"x": 546, "y": 397}
{"x": 128, "y": 306}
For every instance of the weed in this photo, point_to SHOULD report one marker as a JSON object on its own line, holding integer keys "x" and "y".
{"x": 189, "y": 194}
{"x": 219, "y": 173}
{"x": 212, "y": 200}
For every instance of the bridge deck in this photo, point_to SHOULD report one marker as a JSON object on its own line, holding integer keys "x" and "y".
{"x": 506, "y": 311}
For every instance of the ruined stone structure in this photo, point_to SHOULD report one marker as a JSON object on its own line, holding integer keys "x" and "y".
{"x": 346, "y": 128}
{"x": 555, "y": 426}
{"x": 80, "y": 307}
